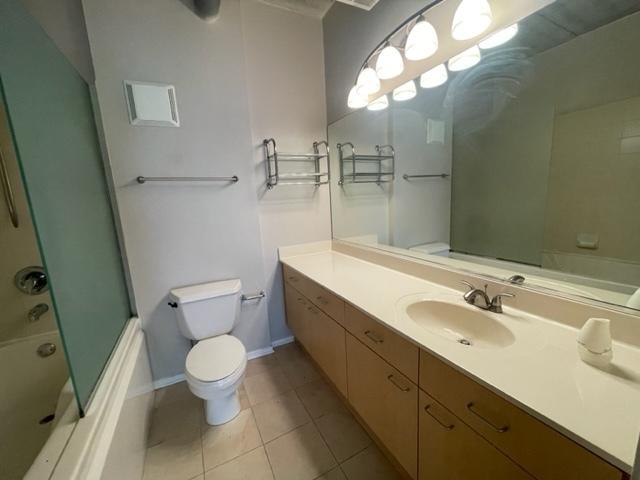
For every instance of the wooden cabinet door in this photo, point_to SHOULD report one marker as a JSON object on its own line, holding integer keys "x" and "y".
{"x": 296, "y": 306}
{"x": 449, "y": 450}
{"x": 386, "y": 400}
{"x": 328, "y": 347}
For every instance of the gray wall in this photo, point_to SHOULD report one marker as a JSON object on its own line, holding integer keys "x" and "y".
{"x": 63, "y": 22}
{"x": 349, "y": 35}
{"x": 229, "y": 98}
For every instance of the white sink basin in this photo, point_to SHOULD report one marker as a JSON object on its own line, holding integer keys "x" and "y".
{"x": 461, "y": 323}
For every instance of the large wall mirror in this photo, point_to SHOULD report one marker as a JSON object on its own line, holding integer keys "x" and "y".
{"x": 526, "y": 165}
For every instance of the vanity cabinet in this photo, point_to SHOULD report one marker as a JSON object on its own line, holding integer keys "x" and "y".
{"x": 540, "y": 450}
{"x": 436, "y": 422}
{"x": 386, "y": 400}
{"x": 450, "y": 450}
{"x": 319, "y": 334}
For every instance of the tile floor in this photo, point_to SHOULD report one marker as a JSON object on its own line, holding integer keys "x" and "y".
{"x": 292, "y": 427}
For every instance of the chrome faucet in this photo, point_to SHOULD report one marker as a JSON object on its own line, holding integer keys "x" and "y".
{"x": 491, "y": 304}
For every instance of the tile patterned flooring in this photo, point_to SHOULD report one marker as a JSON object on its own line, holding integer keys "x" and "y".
{"x": 292, "y": 427}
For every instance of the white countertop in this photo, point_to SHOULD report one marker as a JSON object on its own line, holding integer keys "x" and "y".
{"x": 541, "y": 371}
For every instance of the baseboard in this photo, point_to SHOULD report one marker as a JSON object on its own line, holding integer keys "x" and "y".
{"x": 283, "y": 341}
{"x": 165, "y": 382}
{"x": 261, "y": 352}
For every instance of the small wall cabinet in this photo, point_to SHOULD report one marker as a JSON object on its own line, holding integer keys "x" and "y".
{"x": 435, "y": 422}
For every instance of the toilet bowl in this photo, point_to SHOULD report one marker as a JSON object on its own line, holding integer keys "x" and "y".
{"x": 215, "y": 368}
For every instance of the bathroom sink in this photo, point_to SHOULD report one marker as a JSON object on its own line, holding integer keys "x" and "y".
{"x": 464, "y": 324}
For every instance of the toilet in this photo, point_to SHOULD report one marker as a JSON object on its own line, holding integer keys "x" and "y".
{"x": 216, "y": 364}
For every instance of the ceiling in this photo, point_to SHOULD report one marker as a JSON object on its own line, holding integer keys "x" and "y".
{"x": 311, "y": 8}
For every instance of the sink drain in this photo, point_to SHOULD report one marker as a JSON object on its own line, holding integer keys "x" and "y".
{"x": 466, "y": 342}
{"x": 47, "y": 419}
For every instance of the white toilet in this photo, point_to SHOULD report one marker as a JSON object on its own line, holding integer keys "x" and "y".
{"x": 216, "y": 364}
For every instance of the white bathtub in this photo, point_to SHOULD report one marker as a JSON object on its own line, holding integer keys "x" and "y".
{"x": 30, "y": 389}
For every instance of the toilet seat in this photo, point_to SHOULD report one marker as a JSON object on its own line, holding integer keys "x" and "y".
{"x": 215, "y": 359}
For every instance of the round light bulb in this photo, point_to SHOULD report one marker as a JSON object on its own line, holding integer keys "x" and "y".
{"x": 500, "y": 37}
{"x": 368, "y": 82}
{"x": 472, "y": 17}
{"x": 434, "y": 77}
{"x": 389, "y": 63}
{"x": 422, "y": 41}
{"x": 464, "y": 60}
{"x": 379, "y": 103}
{"x": 355, "y": 100}
{"x": 405, "y": 91}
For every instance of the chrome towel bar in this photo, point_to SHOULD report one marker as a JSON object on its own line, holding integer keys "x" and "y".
{"x": 141, "y": 179}
{"x": 435, "y": 175}
{"x": 257, "y": 296}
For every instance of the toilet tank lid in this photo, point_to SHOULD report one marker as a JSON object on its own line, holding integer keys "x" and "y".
{"x": 204, "y": 291}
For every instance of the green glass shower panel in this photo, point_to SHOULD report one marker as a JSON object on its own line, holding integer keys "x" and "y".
{"x": 52, "y": 122}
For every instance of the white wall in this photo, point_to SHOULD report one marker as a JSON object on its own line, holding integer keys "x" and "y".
{"x": 183, "y": 234}
{"x": 285, "y": 77}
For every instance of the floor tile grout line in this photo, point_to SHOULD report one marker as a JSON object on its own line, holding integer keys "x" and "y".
{"x": 233, "y": 459}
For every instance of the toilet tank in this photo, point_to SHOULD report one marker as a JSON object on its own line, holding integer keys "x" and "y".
{"x": 207, "y": 309}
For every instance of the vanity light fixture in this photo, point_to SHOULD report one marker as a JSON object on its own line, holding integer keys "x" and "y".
{"x": 356, "y": 100}
{"x": 405, "y": 91}
{"x": 368, "y": 82}
{"x": 389, "y": 63}
{"x": 472, "y": 17}
{"x": 434, "y": 77}
{"x": 379, "y": 103}
{"x": 500, "y": 37}
{"x": 422, "y": 41}
{"x": 464, "y": 60}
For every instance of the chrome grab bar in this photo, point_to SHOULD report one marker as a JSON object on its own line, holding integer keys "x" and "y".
{"x": 141, "y": 179}
{"x": 434, "y": 175}
{"x": 8, "y": 191}
{"x": 257, "y": 296}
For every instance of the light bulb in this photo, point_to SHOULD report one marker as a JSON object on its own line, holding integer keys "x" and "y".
{"x": 434, "y": 77}
{"x": 472, "y": 17}
{"x": 405, "y": 91}
{"x": 389, "y": 63}
{"x": 464, "y": 60}
{"x": 500, "y": 37}
{"x": 422, "y": 41}
{"x": 379, "y": 103}
{"x": 355, "y": 100}
{"x": 368, "y": 82}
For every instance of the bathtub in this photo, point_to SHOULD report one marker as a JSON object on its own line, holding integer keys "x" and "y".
{"x": 31, "y": 386}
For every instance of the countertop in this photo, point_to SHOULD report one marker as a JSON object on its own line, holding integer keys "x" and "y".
{"x": 541, "y": 371}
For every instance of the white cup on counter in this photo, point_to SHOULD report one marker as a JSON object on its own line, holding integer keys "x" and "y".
{"x": 594, "y": 342}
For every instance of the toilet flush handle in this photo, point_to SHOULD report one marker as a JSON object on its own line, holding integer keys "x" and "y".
{"x": 172, "y": 304}
{"x": 257, "y": 296}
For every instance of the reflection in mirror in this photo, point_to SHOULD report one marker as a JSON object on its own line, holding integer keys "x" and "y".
{"x": 523, "y": 167}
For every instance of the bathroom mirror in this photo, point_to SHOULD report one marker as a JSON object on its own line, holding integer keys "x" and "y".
{"x": 525, "y": 167}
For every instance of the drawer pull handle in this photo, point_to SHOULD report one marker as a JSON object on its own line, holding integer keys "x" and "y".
{"x": 373, "y": 337}
{"x": 472, "y": 408}
{"x": 293, "y": 279}
{"x": 442, "y": 424}
{"x": 312, "y": 310}
{"x": 301, "y": 300}
{"x": 400, "y": 387}
{"x": 322, "y": 300}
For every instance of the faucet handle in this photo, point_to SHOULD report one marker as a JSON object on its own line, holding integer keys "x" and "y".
{"x": 496, "y": 302}
{"x": 470, "y": 285}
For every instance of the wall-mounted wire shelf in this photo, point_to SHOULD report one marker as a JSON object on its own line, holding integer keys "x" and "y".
{"x": 141, "y": 180}
{"x": 381, "y": 165}
{"x": 273, "y": 159}
{"x": 432, "y": 175}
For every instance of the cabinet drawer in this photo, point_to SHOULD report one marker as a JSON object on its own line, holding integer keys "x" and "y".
{"x": 320, "y": 296}
{"x": 296, "y": 306}
{"x": 543, "y": 452}
{"x": 399, "y": 352}
{"x": 327, "y": 347}
{"x": 449, "y": 450}
{"x": 386, "y": 400}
